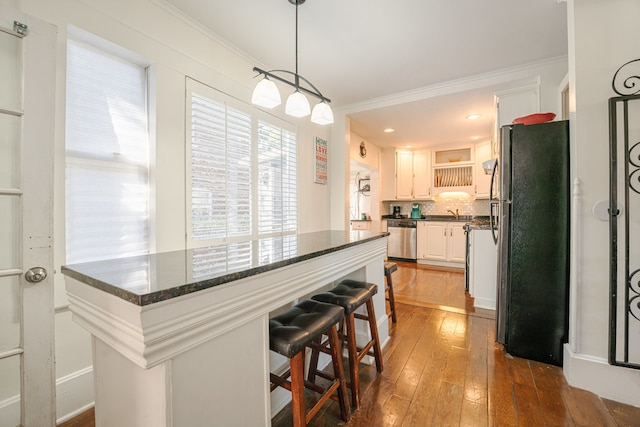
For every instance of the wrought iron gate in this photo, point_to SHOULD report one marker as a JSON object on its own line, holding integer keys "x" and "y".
{"x": 624, "y": 217}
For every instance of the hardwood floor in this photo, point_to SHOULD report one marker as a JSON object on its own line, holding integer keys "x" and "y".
{"x": 442, "y": 367}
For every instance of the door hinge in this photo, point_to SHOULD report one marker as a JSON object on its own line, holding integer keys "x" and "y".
{"x": 20, "y": 28}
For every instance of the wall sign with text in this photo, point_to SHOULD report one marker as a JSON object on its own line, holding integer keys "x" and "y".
{"x": 321, "y": 161}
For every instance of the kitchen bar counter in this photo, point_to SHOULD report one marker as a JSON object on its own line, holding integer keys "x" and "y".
{"x": 181, "y": 338}
{"x": 147, "y": 279}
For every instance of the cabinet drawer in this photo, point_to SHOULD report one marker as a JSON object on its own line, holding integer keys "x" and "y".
{"x": 360, "y": 225}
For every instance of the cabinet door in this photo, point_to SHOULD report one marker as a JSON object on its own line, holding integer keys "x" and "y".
{"x": 456, "y": 242}
{"x": 422, "y": 240}
{"x": 404, "y": 175}
{"x": 436, "y": 247}
{"x": 388, "y": 174}
{"x": 422, "y": 174}
{"x": 483, "y": 181}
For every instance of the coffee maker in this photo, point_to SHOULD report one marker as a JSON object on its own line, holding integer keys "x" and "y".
{"x": 415, "y": 211}
{"x": 396, "y": 211}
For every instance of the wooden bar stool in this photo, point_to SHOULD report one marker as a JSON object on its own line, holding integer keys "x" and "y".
{"x": 350, "y": 295}
{"x": 289, "y": 334}
{"x": 390, "y": 267}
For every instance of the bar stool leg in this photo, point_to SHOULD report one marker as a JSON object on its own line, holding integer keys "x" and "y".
{"x": 391, "y": 299}
{"x": 313, "y": 361}
{"x": 297, "y": 390}
{"x": 352, "y": 349}
{"x": 338, "y": 370}
{"x": 377, "y": 353}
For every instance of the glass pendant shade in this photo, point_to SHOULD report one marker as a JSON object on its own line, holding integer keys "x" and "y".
{"x": 322, "y": 114}
{"x": 297, "y": 105}
{"x": 266, "y": 94}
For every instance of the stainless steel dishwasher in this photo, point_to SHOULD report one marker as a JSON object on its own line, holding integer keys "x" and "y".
{"x": 402, "y": 239}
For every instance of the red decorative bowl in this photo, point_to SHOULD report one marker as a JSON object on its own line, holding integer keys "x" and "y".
{"x": 533, "y": 119}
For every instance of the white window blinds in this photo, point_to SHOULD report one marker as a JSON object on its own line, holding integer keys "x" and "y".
{"x": 277, "y": 179}
{"x": 242, "y": 170}
{"x": 220, "y": 170}
{"x": 107, "y": 156}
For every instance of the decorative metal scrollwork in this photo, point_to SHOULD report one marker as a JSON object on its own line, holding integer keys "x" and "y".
{"x": 634, "y": 160}
{"x": 634, "y": 302}
{"x": 629, "y": 85}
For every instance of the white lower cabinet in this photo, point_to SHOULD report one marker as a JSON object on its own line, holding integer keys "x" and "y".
{"x": 441, "y": 241}
{"x": 483, "y": 268}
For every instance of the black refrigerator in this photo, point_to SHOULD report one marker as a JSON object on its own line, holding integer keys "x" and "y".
{"x": 531, "y": 215}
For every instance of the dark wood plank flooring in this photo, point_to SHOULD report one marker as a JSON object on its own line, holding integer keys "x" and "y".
{"x": 443, "y": 368}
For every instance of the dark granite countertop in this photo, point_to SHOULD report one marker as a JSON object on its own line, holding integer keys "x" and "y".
{"x": 147, "y": 279}
{"x": 447, "y": 218}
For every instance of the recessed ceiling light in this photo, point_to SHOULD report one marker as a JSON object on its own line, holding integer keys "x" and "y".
{"x": 473, "y": 116}
{"x": 407, "y": 146}
{"x": 475, "y": 138}
{"x": 389, "y": 130}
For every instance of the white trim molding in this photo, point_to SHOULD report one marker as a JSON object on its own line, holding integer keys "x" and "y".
{"x": 597, "y": 376}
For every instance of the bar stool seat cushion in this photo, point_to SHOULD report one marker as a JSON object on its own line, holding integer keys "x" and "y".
{"x": 389, "y": 267}
{"x": 348, "y": 294}
{"x": 290, "y": 331}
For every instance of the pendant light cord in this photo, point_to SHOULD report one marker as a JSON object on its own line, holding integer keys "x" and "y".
{"x": 297, "y": 78}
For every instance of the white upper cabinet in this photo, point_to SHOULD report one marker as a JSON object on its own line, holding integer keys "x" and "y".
{"x": 404, "y": 175}
{"x": 514, "y": 103}
{"x": 482, "y": 181}
{"x": 388, "y": 174}
{"x": 453, "y": 169}
{"x": 422, "y": 174}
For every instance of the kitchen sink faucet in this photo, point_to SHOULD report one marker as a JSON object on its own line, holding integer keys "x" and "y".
{"x": 456, "y": 214}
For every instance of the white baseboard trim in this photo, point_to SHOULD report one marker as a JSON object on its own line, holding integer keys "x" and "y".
{"x": 486, "y": 303}
{"x": 74, "y": 394}
{"x": 597, "y": 376}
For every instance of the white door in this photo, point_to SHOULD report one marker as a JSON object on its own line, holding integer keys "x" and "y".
{"x": 457, "y": 243}
{"x": 422, "y": 174}
{"x": 27, "y": 82}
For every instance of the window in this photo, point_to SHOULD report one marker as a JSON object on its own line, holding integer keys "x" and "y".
{"x": 242, "y": 168}
{"x": 277, "y": 206}
{"x": 220, "y": 170}
{"x": 107, "y": 156}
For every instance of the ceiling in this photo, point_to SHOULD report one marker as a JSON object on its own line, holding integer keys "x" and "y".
{"x": 362, "y": 53}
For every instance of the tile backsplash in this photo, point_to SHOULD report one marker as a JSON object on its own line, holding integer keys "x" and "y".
{"x": 440, "y": 207}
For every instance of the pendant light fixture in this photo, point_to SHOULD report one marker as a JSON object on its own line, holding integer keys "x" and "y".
{"x": 266, "y": 93}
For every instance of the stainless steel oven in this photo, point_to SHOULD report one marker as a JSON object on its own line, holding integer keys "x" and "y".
{"x": 402, "y": 239}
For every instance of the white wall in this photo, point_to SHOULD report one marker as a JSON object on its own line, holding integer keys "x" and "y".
{"x": 372, "y": 155}
{"x": 175, "y": 48}
{"x": 603, "y": 36}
